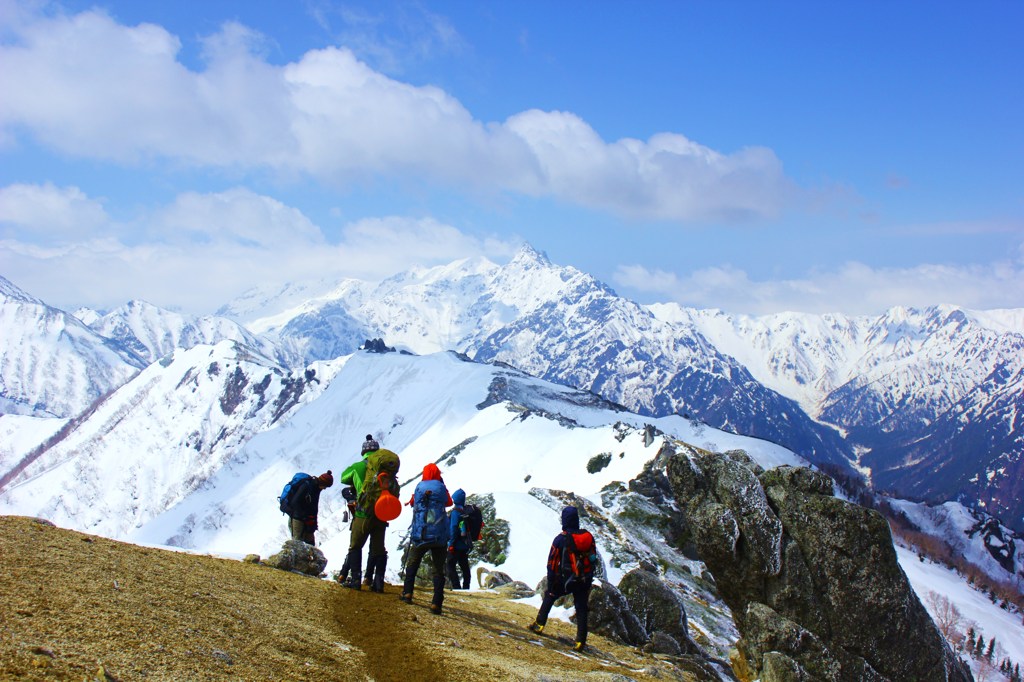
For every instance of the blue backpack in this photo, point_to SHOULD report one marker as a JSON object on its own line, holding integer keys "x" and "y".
{"x": 285, "y": 499}
{"x": 429, "y": 521}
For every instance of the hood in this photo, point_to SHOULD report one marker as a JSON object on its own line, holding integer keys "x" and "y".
{"x": 459, "y": 497}
{"x": 431, "y": 472}
{"x": 570, "y": 519}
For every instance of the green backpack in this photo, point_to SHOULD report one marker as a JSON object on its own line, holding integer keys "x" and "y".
{"x": 381, "y": 474}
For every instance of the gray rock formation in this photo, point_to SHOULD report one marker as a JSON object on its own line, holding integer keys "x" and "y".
{"x": 611, "y": 616}
{"x": 658, "y": 608}
{"x": 298, "y": 557}
{"x": 812, "y": 580}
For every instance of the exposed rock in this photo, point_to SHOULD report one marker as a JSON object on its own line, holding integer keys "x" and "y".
{"x": 491, "y": 579}
{"x": 662, "y": 643}
{"x": 516, "y": 590}
{"x": 611, "y": 616}
{"x": 298, "y": 557}
{"x": 812, "y": 581}
{"x": 251, "y": 558}
{"x": 657, "y": 607}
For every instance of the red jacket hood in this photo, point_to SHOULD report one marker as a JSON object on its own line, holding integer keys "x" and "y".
{"x": 431, "y": 472}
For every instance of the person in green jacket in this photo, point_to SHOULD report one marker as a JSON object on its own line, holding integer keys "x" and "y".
{"x": 366, "y": 526}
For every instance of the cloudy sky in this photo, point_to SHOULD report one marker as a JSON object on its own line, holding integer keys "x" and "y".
{"x": 753, "y": 157}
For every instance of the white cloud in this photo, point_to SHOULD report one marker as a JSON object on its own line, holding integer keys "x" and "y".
{"x": 204, "y": 249}
{"x": 853, "y": 289}
{"x": 46, "y": 211}
{"x": 120, "y": 93}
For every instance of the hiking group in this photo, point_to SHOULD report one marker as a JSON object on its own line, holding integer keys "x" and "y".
{"x": 371, "y": 494}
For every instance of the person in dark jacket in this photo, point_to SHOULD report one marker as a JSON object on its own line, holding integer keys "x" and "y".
{"x": 556, "y": 588}
{"x": 459, "y": 544}
{"x": 305, "y": 504}
{"x": 429, "y": 533}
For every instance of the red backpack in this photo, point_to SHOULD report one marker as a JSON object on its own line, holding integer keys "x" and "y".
{"x": 578, "y": 558}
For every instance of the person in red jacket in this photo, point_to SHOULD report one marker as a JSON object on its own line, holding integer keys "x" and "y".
{"x": 557, "y": 585}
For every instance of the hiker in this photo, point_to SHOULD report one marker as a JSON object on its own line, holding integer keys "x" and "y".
{"x": 561, "y": 581}
{"x": 349, "y": 494}
{"x": 428, "y": 533}
{"x": 459, "y": 544}
{"x": 376, "y": 470}
{"x": 369, "y": 445}
{"x": 304, "y": 505}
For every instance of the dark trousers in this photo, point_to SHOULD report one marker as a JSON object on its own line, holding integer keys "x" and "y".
{"x": 371, "y": 528}
{"x": 300, "y": 531}
{"x": 458, "y": 561}
{"x": 580, "y": 596}
{"x": 412, "y": 566}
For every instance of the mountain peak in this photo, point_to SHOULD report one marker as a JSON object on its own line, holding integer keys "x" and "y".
{"x": 528, "y": 255}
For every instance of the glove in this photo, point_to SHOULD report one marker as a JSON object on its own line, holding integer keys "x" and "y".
{"x": 451, "y": 549}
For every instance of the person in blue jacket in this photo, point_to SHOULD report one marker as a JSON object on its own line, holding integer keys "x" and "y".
{"x": 459, "y": 544}
{"x": 428, "y": 533}
{"x": 556, "y": 586}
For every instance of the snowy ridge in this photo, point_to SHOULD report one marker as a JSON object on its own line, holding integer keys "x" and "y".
{"x": 157, "y": 438}
{"x": 50, "y": 363}
{"x": 153, "y": 332}
{"x": 856, "y": 393}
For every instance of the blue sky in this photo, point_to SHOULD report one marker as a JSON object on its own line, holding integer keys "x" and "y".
{"x": 753, "y": 157}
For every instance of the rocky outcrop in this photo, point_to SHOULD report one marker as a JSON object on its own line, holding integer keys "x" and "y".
{"x": 611, "y": 616}
{"x": 298, "y": 557}
{"x": 812, "y": 580}
{"x": 659, "y": 609}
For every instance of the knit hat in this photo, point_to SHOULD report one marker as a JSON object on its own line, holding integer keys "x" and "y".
{"x": 326, "y": 480}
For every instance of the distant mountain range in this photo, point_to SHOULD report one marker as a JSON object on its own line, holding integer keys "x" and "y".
{"x": 924, "y": 404}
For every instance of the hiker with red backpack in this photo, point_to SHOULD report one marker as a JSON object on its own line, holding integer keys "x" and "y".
{"x": 571, "y": 563}
{"x": 300, "y": 500}
{"x": 375, "y": 479}
{"x": 464, "y": 528}
{"x": 428, "y": 533}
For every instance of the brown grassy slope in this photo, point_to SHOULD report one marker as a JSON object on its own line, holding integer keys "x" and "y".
{"x": 75, "y": 606}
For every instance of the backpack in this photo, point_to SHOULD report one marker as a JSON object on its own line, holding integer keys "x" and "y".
{"x": 429, "y": 520}
{"x": 578, "y": 558}
{"x": 285, "y": 498}
{"x": 381, "y": 470}
{"x": 472, "y": 521}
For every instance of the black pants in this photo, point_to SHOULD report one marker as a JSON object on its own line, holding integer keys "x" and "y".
{"x": 412, "y": 566}
{"x": 458, "y": 561}
{"x": 580, "y": 595}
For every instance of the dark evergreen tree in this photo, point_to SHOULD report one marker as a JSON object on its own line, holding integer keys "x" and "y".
{"x": 990, "y": 650}
{"x": 979, "y": 646}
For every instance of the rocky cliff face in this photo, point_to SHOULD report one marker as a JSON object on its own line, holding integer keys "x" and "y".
{"x": 812, "y": 580}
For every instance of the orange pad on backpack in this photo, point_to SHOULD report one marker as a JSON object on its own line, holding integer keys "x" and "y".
{"x": 388, "y": 507}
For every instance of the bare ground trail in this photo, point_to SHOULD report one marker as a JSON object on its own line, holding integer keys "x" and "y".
{"x": 81, "y": 607}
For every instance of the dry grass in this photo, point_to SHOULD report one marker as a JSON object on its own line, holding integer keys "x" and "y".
{"x": 74, "y": 606}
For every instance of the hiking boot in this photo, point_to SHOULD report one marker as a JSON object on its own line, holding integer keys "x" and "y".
{"x": 435, "y": 609}
{"x": 352, "y": 583}
{"x": 579, "y": 647}
{"x": 367, "y": 582}
{"x": 535, "y": 627}
{"x": 407, "y": 598}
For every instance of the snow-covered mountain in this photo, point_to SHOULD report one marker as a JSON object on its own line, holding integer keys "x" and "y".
{"x": 126, "y": 472}
{"x": 929, "y": 398}
{"x": 153, "y": 333}
{"x": 51, "y": 364}
{"x": 158, "y": 438}
{"x": 923, "y": 403}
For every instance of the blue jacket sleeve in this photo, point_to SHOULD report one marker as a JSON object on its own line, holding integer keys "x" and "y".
{"x": 453, "y": 527}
